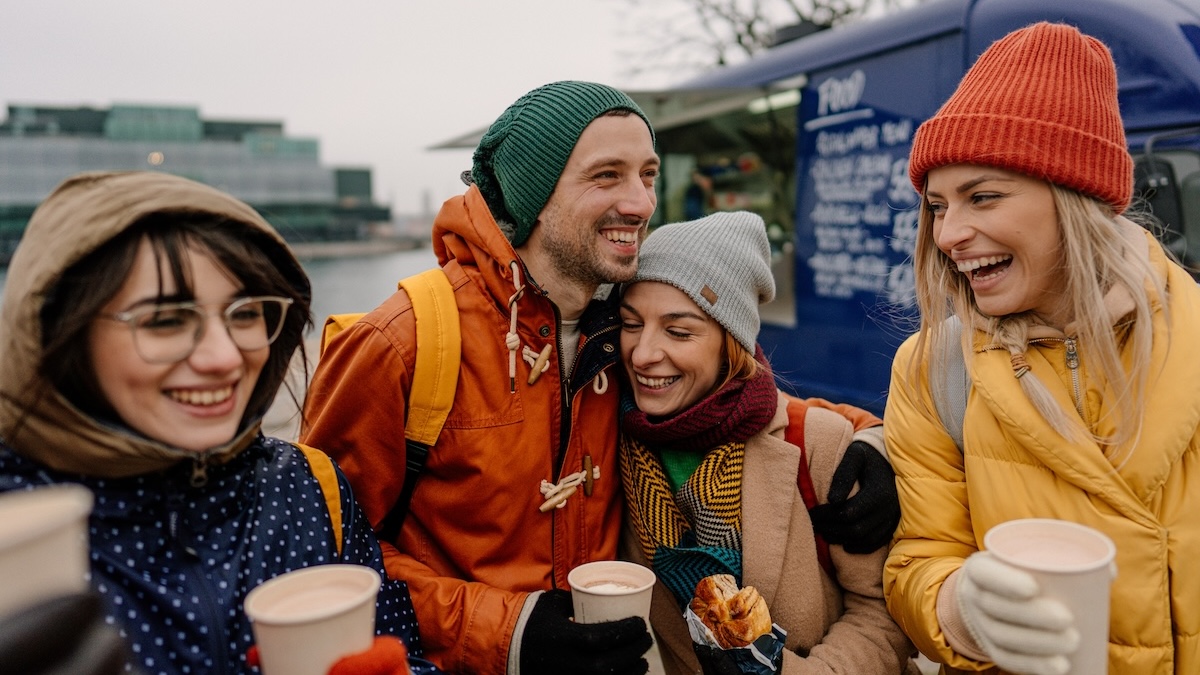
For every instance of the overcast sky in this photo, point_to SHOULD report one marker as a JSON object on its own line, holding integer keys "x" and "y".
{"x": 376, "y": 81}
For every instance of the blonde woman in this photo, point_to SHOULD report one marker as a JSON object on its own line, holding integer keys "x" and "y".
{"x": 1083, "y": 402}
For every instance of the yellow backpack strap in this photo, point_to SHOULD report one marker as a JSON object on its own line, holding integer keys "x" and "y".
{"x": 323, "y": 471}
{"x": 334, "y": 324}
{"x": 439, "y": 351}
{"x": 434, "y": 380}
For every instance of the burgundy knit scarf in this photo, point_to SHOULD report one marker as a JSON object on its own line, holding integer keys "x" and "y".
{"x": 733, "y": 413}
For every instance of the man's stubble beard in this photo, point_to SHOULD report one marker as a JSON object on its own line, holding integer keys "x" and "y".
{"x": 577, "y": 255}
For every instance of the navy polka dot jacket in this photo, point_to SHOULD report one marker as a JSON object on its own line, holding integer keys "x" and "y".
{"x": 174, "y": 562}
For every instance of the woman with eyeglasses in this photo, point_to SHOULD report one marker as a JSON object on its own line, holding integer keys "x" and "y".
{"x": 148, "y": 322}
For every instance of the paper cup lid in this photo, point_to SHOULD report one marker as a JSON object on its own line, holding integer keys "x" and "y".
{"x": 312, "y": 594}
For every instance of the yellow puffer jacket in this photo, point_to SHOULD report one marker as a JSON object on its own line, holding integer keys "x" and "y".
{"x": 1015, "y": 466}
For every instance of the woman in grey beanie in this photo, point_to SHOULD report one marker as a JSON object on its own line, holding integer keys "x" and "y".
{"x": 720, "y": 468}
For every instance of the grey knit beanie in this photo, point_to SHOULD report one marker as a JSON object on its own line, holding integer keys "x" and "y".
{"x": 520, "y": 158}
{"x": 722, "y": 262}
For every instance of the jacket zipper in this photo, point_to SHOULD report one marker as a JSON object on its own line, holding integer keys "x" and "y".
{"x": 211, "y": 608}
{"x": 564, "y": 389}
{"x": 568, "y": 396}
{"x": 564, "y": 425}
{"x": 216, "y": 617}
{"x": 200, "y": 471}
{"x": 1073, "y": 364}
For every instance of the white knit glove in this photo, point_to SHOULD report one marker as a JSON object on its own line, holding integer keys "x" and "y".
{"x": 1021, "y": 631}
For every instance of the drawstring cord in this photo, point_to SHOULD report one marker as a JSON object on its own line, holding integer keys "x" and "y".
{"x": 539, "y": 362}
{"x": 554, "y": 495}
{"x": 511, "y": 339}
{"x": 600, "y": 383}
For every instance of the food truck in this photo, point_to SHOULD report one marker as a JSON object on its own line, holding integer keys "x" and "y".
{"x": 814, "y": 135}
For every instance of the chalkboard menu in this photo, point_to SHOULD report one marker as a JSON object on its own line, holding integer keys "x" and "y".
{"x": 857, "y": 218}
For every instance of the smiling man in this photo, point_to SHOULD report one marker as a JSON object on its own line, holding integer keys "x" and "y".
{"x": 561, "y": 190}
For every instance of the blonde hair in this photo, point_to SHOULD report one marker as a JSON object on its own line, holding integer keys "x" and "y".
{"x": 1095, "y": 258}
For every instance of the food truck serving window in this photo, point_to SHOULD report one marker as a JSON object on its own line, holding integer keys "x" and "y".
{"x": 732, "y": 150}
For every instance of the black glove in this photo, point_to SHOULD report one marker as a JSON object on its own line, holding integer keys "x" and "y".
{"x": 63, "y": 635}
{"x": 715, "y": 661}
{"x": 866, "y": 521}
{"x": 553, "y": 643}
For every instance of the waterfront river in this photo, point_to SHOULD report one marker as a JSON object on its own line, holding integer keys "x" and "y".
{"x": 360, "y": 283}
{"x": 354, "y": 284}
{"x": 342, "y": 285}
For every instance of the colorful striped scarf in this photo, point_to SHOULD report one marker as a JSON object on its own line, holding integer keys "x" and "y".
{"x": 697, "y": 531}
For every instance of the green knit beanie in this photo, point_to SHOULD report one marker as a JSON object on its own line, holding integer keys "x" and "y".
{"x": 520, "y": 158}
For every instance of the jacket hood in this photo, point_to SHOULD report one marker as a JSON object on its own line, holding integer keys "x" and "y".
{"x": 465, "y": 228}
{"x": 465, "y": 231}
{"x": 83, "y": 213}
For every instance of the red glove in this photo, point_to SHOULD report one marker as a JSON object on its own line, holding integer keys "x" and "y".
{"x": 252, "y": 659}
{"x": 388, "y": 656}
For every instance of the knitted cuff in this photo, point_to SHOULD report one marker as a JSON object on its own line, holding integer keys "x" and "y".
{"x": 873, "y": 436}
{"x": 951, "y": 621}
{"x": 514, "y": 646}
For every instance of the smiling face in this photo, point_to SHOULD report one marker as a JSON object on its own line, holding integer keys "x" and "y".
{"x": 194, "y": 404}
{"x": 589, "y": 231}
{"x": 1001, "y": 230}
{"x": 672, "y": 349}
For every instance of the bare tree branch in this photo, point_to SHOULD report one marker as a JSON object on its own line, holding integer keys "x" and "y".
{"x": 687, "y": 36}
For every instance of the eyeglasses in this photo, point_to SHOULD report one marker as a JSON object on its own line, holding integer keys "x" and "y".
{"x": 169, "y": 332}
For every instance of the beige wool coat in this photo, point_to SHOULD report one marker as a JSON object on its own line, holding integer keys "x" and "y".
{"x": 831, "y": 628}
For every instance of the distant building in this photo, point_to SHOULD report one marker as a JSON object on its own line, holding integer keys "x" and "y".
{"x": 280, "y": 176}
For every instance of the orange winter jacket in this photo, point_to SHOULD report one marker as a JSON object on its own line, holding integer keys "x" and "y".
{"x": 475, "y": 543}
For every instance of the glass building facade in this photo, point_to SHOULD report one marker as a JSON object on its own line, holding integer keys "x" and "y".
{"x": 280, "y": 176}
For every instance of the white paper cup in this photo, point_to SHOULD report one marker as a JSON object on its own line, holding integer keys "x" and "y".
{"x": 307, "y": 619}
{"x": 610, "y": 590}
{"x": 1073, "y": 564}
{"x": 43, "y": 544}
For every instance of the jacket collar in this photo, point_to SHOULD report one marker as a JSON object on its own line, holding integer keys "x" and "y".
{"x": 466, "y": 236}
{"x": 1170, "y": 423}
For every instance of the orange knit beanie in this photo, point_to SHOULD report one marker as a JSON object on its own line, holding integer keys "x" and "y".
{"x": 1041, "y": 101}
